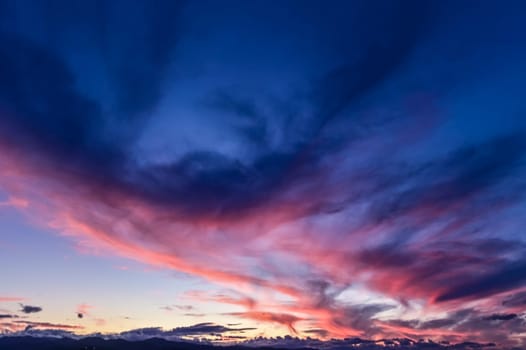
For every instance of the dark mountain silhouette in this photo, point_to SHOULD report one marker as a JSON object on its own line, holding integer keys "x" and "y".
{"x": 26, "y": 343}
{"x": 96, "y": 343}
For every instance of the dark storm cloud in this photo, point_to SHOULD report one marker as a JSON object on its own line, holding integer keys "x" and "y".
{"x": 7, "y": 316}
{"x": 28, "y": 309}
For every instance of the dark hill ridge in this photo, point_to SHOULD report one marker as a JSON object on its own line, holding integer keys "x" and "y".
{"x": 37, "y": 343}
{"x": 96, "y": 343}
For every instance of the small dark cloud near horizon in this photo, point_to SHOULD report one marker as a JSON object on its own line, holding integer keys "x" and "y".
{"x": 3, "y": 316}
{"x": 177, "y": 307}
{"x": 29, "y": 309}
{"x": 317, "y": 332}
{"x": 199, "y": 329}
{"x": 48, "y": 325}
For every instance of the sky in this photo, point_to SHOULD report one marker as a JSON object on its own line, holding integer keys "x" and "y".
{"x": 323, "y": 169}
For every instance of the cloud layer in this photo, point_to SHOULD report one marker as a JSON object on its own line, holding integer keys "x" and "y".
{"x": 355, "y": 184}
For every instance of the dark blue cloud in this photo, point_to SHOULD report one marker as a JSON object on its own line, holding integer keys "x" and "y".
{"x": 504, "y": 277}
{"x": 501, "y": 317}
{"x": 444, "y": 182}
{"x": 3, "y": 316}
{"x": 45, "y": 104}
{"x": 205, "y": 329}
{"x": 29, "y": 309}
{"x": 517, "y": 299}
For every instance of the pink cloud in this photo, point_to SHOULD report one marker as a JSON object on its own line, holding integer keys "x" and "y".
{"x": 285, "y": 319}
{"x": 5, "y": 299}
{"x": 270, "y": 252}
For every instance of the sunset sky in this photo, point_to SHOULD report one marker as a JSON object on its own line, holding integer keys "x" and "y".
{"x": 322, "y": 169}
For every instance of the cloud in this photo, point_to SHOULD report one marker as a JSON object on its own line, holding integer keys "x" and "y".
{"x": 178, "y": 307}
{"x": 396, "y": 343}
{"x": 131, "y": 66}
{"x": 251, "y": 120}
{"x": 438, "y": 185}
{"x": 378, "y": 58}
{"x": 318, "y": 209}
{"x": 517, "y": 299}
{"x": 507, "y": 276}
{"x": 321, "y": 333}
{"x": 222, "y": 298}
{"x": 281, "y": 318}
{"x": 463, "y": 321}
{"x": 4, "y": 299}
{"x": 3, "y": 316}
{"x": 185, "y": 307}
{"x": 47, "y": 325}
{"x": 205, "y": 329}
{"x": 501, "y": 317}
{"x": 28, "y": 309}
